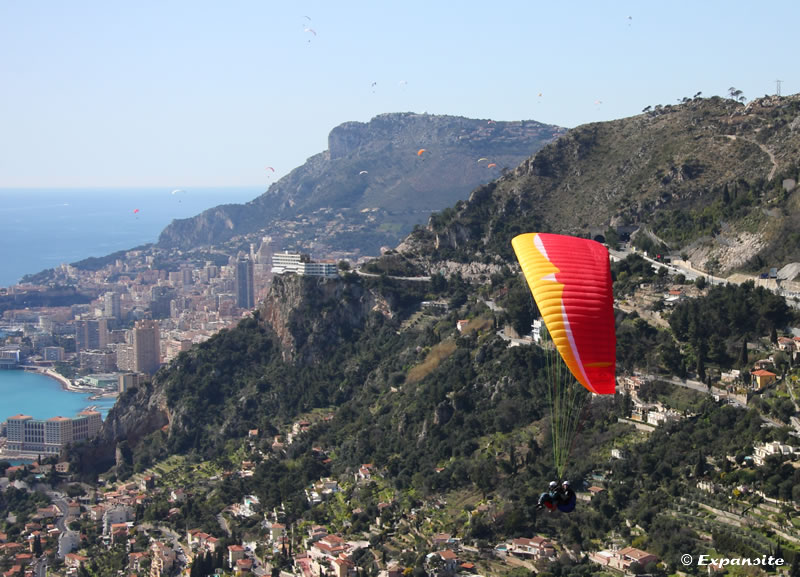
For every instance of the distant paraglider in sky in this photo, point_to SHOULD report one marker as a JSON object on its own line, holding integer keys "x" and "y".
{"x": 483, "y": 158}
{"x": 491, "y": 165}
{"x": 363, "y": 172}
{"x": 421, "y": 151}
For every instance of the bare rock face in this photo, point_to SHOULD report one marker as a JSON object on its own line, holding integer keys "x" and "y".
{"x": 312, "y": 315}
{"x": 141, "y": 411}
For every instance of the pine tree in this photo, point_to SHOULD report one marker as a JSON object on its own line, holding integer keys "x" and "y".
{"x": 742, "y": 360}
{"x": 700, "y": 466}
{"x": 37, "y": 546}
{"x": 208, "y": 563}
{"x": 795, "y": 570}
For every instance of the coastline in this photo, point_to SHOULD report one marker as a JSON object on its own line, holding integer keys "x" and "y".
{"x": 66, "y": 384}
{"x": 69, "y": 385}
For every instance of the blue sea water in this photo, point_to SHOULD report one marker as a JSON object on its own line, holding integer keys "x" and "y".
{"x": 42, "y": 397}
{"x": 43, "y": 228}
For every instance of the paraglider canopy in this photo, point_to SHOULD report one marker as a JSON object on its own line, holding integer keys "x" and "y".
{"x": 421, "y": 151}
{"x": 570, "y": 279}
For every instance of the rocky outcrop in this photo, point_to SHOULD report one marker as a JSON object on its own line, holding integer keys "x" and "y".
{"x": 136, "y": 414}
{"x": 312, "y": 315}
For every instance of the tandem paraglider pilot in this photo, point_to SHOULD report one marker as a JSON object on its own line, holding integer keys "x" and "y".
{"x": 560, "y": 497}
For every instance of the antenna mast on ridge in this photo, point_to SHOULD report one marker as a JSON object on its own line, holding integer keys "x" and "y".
{"x": 778, "y": 87}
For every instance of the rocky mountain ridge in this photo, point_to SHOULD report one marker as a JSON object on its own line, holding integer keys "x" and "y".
{"x": 711, "y": 178}
{"x": 379, "y": 178}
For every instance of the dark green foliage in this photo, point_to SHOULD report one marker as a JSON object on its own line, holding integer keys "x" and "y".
{"x": 21, "y": 502}
{"x": 640, "y": 344}
{"x": 713, "y": 325}
{"x": 630, "y": 273}
{"x": 519, "y": 306}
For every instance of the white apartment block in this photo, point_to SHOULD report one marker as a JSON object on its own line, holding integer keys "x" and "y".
{"x": 284, "y": 262}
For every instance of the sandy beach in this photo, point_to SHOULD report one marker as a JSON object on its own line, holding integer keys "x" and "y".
{"x": 66, "y": 384}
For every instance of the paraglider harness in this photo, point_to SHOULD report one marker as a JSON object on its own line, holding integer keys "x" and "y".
{"x": 560, "y": 498}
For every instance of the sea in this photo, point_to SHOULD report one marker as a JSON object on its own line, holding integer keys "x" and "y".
{"x": 45, "y": 227}
{"x": 43, "y": 397}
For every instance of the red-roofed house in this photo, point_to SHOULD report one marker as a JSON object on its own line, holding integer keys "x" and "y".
{"x": 276, "y": 532}
{"x": 343, "y": 567}
{"x": 623, "y": 558}
{"x": 235, "y": 552}
{"x": 446, "y": 559}
{"x": 244, "y": 566}
{"x": 330, "y": 546}
{"x": 135, "y": 560}
{"x": 15, "y": 571}
{"x": 74, "y": 560}
{"x": 763, "y": 378}
{"x": 537, "y": 547}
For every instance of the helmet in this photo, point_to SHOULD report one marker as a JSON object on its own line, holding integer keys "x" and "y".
{"x": 565, "y": 484}
{"x": 553, "y": 484}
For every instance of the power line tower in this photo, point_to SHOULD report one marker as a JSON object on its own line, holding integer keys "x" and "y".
{"x": 778, "y": 87}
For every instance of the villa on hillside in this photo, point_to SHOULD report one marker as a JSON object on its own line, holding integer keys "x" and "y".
{"x": 762, "y": 379}
{"x": 622, "y": 559}
{"x": 761, "y": 452}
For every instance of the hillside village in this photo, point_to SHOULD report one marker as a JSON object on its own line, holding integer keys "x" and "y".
{"x": 138, "y": 523}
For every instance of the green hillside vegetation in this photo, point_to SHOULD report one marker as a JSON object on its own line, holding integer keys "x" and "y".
{"x": 456, "y": 424}
{"x": 442, "y": 412}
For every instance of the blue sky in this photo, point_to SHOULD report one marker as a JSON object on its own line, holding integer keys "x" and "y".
{"x": 184, "y": 93}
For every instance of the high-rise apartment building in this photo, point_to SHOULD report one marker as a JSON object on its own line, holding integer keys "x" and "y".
{"x": 160, "y": 299}
{"x": 91, "y": 334}
{"x": 245, "y": 284}
{"x": 112, "y": 307}
{"x": 146, "y": 347}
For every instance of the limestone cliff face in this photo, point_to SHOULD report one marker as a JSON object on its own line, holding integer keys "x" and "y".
{"x": 312, "y": 315}
{"x": 135, "y": 415}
